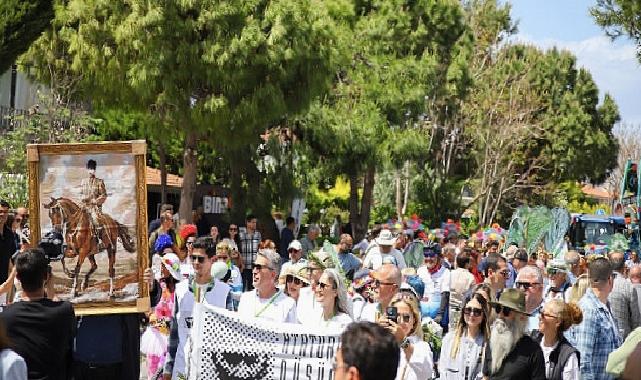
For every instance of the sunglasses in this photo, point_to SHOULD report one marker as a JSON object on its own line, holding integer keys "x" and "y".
{"x": 473, "y": 311}
{"x": 378, "y": 283}
{"x": 323, "y": 285}
{"x": 525, "y": 285}
{"x": 233, "y": 229}
{"x": 292, "y": 250}
{"x": 200, "y": 259}
{"x": 311, "y": 269}
{"x": 295, "y": 280}
{"x": 190, "y": 242}
{"x": 546, "y": 315}
{"x": 503, "y": 309}
{"x": 260, "y": 267}
{"x": 505, "y": 273}
{"x": 403, "y": 318}
{"x": 429, "y": 254}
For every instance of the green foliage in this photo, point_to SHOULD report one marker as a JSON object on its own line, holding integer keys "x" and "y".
{"x": 13, "y": 189}
{"x": 619, "y": 18}
{"x": 21, "y": 23}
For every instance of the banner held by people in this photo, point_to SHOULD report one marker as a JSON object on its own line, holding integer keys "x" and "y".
{"x": 224, "y": 346}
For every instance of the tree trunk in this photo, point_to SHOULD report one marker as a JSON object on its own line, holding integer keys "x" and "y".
{"x": 368, "y": 196}
{"x": 407, "y": 188}
{"x": 359, "y": 212}
{"x": 162, "y": 155}
{"x": 354, "y": 214}
{"x": 399, "y": 196}
{"x": 190, "y": 165}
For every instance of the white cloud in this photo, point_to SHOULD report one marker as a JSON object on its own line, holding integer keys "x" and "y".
{"x": 613, "y": 65}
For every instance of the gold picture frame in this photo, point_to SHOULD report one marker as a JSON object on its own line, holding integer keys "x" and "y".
{"x": 102, "y": 217}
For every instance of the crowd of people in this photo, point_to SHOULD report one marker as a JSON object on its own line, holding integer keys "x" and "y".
{"x": 410, "y": 306}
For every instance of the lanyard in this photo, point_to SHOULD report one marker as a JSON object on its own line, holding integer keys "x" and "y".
{"x": 195, "y": 289}
{"x": 271, "y": 300}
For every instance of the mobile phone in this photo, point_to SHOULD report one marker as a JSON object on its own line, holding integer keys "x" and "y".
{"x": 392, "y": 313}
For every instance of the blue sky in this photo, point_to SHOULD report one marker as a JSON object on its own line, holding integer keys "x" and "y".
{"x": 567, "y": 24}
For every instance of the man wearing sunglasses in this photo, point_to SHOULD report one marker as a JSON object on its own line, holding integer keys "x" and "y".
{"x": 511, "y": 353}
{"x": 201, "y": 287}
{"x": 496, "y": 273}
{"x": 530, "y": 282}
{"x": 559, "y": 283}
{"x": 387, "y": 282}
{"x": 266, "y": 301}
{"x": 437, "y": 281}
{"x": 295, "y": 252}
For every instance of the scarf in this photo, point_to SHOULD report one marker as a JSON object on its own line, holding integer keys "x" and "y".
{"x": 435, "y": 269}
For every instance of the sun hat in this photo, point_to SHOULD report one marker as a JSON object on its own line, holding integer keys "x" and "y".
{"x": 385, "y": 238}
{"x": 296, "y": 245}
{"x": 510, "y": 252}
{"x": 556, "y": 266}
{"x": 301, "y": 273}
{"x": 172, "y": 264}
{"x": 514, "y": 299}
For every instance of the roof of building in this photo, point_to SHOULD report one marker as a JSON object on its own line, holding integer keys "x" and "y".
{"x": 153, "y": 178}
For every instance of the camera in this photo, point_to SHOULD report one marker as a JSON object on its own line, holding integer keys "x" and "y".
{"x": 52, "y": 243}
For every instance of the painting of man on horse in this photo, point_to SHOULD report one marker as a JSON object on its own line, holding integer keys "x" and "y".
{"x": 89, "y": 231}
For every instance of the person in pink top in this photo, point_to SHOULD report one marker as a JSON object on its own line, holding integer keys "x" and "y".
{"x": 154, "y": 340}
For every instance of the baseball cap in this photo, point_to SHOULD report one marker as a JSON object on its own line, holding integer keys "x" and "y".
{"x": 296, "y": 245}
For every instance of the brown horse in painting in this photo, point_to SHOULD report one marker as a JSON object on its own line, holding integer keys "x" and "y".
{"x": 75, "y": 224}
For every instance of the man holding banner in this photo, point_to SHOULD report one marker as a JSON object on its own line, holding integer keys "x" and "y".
{"x": 201, "y": 288}
{"x": 266, "y": 301}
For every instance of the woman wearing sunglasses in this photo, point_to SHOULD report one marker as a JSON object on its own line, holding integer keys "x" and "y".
{"x": 331, "y": 294}
{"x": 296, "y": 278}
{"x": 416, "y": 359}
{"x": 561, "y": 358}
{"x": 462, "y": 350}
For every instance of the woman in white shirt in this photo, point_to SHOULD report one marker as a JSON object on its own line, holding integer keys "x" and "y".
{"x": 462, "y": 350}
{"x": 416, "y": 360}
{"x": 555, "y": 318}
{"x": 331, "y": 294}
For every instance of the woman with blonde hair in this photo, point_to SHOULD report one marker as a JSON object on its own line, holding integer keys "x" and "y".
{"x": 463, "y": 348}
{"x": 561, "y": 358}
{"x": 416, "y": 360}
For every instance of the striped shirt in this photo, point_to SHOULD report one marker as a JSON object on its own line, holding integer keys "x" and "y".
{"x": 248, "y": 246}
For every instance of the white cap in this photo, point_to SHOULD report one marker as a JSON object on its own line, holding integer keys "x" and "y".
{"x": 296, "y": 245}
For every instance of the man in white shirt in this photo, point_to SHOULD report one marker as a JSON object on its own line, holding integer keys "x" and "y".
{"x": 384, "y": 253}
{"x": 437, "y": 282}
{"x": 387, "y": 282}
{"x": 295, "y": 252}
{"x": 201, "y": 287}
{"x": 266, "y": 301}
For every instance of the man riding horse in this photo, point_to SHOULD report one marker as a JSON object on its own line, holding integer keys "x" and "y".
{"x": 94, "y": 194}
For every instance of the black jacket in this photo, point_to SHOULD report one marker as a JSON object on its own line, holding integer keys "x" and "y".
{"x": 559, "y": 357}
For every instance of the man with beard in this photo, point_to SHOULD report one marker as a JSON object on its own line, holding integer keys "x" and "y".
{"x": 511, "y": 353}
{"x": 530, "y": 281}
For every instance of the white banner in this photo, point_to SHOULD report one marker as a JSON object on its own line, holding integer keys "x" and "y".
{"x": 223, "y": 346}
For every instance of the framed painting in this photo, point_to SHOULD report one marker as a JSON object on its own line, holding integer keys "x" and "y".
{"x": 94, "y": 196}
